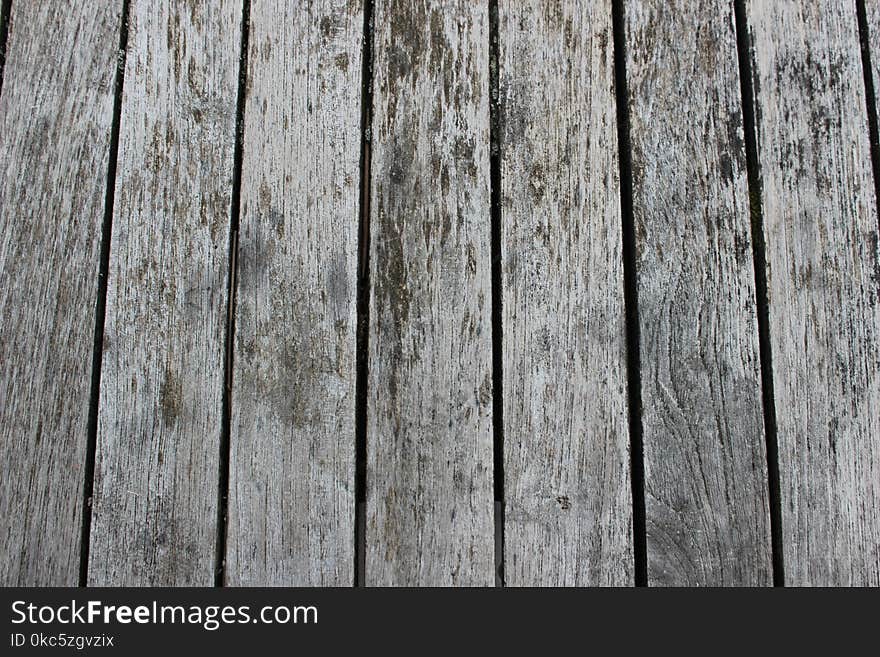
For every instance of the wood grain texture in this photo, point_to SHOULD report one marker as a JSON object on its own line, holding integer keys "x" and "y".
{"x": 56, "y": 112}
{"x": 821, "y": 230}
{"x": 568, "y": 516}
{"x": 159, "y": 425}
{"x": 707, "y": 511}
{"x": 429, "y": 433}
{"x": 291, "y": 507}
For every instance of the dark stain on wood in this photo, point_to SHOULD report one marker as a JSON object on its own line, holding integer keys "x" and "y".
{"x": 170, "y": 397}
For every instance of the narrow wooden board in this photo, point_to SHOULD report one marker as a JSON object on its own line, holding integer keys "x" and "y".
{"x": 568, "y": 517}
{"x": 820, "y": 224}
{"x": 429, "y": 435}
{"x": 291, "y": 505}
{"x": 56, "y": 112}
{"x": 706, "y": 493}
{"x": 160, "y": 415}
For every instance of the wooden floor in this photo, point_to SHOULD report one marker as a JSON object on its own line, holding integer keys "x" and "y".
{"x": 440, "y": 292}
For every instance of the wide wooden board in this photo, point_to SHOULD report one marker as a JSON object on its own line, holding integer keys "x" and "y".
{"x": 429, "y": 415}
{"x": 821, "y": 230}
{"x": 291, "y": 504}
{"x": 160, "y": 415}
{"x": 568, "y": 507}
{"x": 706, "y": 491}
{"x": 56, "y": 112}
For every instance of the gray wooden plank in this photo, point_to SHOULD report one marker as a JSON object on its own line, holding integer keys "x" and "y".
{"x": 568, "y": 517}
{"x": 159, "y": 425}
{"x": 706, "y": 494}
{"x": 429, "y": 432}
{"x": 821, "y": 230}
{"x": 56, "y": 112}
{"x": 291, "y": 505}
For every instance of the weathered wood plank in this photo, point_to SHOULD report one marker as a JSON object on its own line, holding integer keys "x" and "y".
{"x": 707, "y": 511}
{"x": 429, "y": 437}
{"x": 820, "y": 225}
{"x": 568, "y": 515}
{"x": 291, "y": 506}
{"x": 56, "y": 112}
{"x": 159, "y": 426}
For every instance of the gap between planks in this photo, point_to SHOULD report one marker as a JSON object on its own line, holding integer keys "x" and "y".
{"x": 759, "y": 258}
{"x": 871, "y": 89}
{"x": 234, "y": 220}
{"x": 5, "y": 13}
{"x": 631, "y": 299}
{"x": 497, "y": 293}
{"x": 363, "y": 302}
